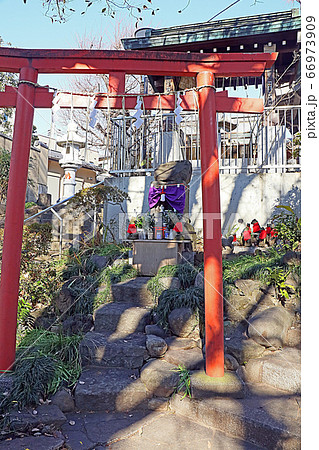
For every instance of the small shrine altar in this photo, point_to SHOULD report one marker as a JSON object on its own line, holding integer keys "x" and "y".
{"x": 161, "y": 235}
{"x": 151, "y": 254}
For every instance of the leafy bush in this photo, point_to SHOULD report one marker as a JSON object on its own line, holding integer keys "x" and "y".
{"x": 112, "y": 250}
{"x": 38, "y": 277}
{"x": 288, "y": 227}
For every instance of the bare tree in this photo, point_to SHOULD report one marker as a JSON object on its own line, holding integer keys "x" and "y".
{"x": 98, "y": 137}
{"x": 61, "y": 10}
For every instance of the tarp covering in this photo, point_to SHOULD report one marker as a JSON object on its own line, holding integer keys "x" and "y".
{"x": 174, "y": 195}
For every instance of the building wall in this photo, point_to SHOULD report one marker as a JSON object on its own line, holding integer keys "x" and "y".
{"x": 84, "y": 178}
{"x": 243, "y": 196}
{"x": 37, "y": 172}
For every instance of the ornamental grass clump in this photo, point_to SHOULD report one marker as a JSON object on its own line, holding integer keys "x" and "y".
{"x": 45, "y": 361}
{"x": 186, "y": 274}
{"x": 192, "y": 297}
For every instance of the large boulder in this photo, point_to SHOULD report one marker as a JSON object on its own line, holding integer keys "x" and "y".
{"x": 64, "y": 300}
{"x": 170, "y": 282}
{"x": 269, "y": 328}
{"x": 160, "y": 377}
{"x": 156, "y": 330}
{"x": 173, "y": 172}
{"x": 243, "y": 349}
{"x": 99, "y": 261}
{"x": 183, "y": 322}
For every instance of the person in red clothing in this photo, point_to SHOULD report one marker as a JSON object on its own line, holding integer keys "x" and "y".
{"x": 247, "y": 236}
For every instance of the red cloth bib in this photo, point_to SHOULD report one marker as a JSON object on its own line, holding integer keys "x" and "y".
{"x": 247, "y": 235}
{"x": 256, "y": 227}
{"x": 263, "y": 234}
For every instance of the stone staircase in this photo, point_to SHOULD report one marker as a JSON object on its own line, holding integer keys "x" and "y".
{"x": 121, "y": 375}
{"x": 114, "y": 353}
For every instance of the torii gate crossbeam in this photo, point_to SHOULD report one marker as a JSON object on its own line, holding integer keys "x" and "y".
{"x": 205, "y": 67}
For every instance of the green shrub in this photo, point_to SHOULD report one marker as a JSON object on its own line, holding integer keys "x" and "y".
{"x": 288, "y": 227}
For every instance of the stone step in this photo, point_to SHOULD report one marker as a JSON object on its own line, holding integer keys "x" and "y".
{"x": 280, "y": 370}
{"x": 133, "y": 291}
{"x": 101, "y": 389}
{"x": 122, "y": 318}
{"x": 112, "y": 350}
{"x": 265, "y": 417}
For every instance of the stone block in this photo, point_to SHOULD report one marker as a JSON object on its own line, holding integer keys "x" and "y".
{"x": 133, "y": 291}
{"x": 282, "y": 370}
{"x": 177, "y": 343}
{"x": 101, "y": 389}
{"x": 243, "y": 349}
{"x": 156, "y": 330}
{"x": 45, "y": 414}
{"x": 100, "y": 349}
{"x": 204, "y": 386}
{"x": 230, "y": 363}
{"x": 158, "y": 404}
{"x": 249, "y": 288}
{"x": 64, "y": 400}
{"x": 33, "y": 442}
{"x": 191, "y": 358}
{"x": 121, "y": 318}
{"x": 199, "y": 280}
{"x": 252, "y": 371}
{"x": 160, "y": 377}
{"x": 170, "y": 282}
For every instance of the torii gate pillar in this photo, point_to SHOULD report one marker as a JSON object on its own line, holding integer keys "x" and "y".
{"x": 13, "y": 228}
{"x": 213, "y": 284}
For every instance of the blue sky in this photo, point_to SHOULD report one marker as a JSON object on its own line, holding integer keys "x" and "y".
{"x": 26, "y": 25}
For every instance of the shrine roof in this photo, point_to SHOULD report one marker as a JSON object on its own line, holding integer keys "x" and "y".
{"x": 217, "y": 30}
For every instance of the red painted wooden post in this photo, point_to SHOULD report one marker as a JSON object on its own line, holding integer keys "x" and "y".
{"x": 214, "y": 327}
{"x": 116, "y": 87}
{"x": 11, "y": 255}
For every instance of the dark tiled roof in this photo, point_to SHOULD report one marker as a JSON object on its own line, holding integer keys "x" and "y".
{"x": 216, "y": 30}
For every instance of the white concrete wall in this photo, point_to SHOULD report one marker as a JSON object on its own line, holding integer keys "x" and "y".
{"x": 243, "y": 196}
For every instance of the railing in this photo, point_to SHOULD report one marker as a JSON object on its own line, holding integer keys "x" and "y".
{"x": 51, "y": 208}
{"x": 268, "y": 142}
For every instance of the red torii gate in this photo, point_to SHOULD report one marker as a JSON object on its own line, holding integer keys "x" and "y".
{"x": 205, "y": 67}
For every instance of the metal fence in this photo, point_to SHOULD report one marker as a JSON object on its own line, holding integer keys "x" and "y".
{"x": 268, "y": 142}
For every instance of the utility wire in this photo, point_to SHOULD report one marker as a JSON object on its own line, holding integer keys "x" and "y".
{"x": 225, "y": 9}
